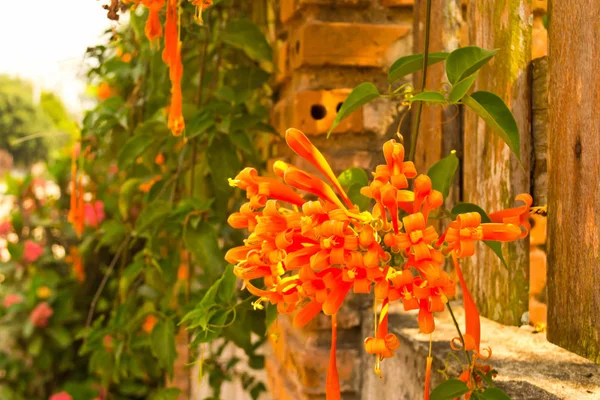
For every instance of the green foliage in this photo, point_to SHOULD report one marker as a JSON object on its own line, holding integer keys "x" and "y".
{"x": 163, "y": 344}
{"x": 462, "y": 66}
{"x": 465, "y": 61}
{"x": 409, "y": 64}
{"x": 442, "y": 173}
{"x": 245, "y": 35}
{"x": 166, "y": 199}
{"x": 496, "y": 114}
{"x": 450, "y": 389}
{"x": 428, "y": 97}
{"x": 23, "y": 123}
{"x": 360, "y": 95}
{"x": 460, "y": 89}
{"x": 352, "y": 180}
{"x": 63, "y": 123}
{"x": 40, "y": 358}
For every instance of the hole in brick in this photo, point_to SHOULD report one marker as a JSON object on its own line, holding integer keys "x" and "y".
{"x": 339, "y": 105}
{"x": 297, "y": 46}
{"x": 317, "y": 111}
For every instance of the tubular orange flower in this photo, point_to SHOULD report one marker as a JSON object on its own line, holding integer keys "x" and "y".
{"x": 309, "y": 183}
{"x": 310, "y": 257}
{"x": 201, "y": 5}
{"x": 518, "y": 216}
{"x": 305, "y": 149}
{"x": 153, "y": 29}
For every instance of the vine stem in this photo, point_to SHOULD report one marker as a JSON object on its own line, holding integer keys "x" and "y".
{"x": 462, "y": 340}
{"x": 415, "y": 132}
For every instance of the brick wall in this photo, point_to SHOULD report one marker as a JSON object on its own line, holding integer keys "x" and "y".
{"x": 325, "y": 48}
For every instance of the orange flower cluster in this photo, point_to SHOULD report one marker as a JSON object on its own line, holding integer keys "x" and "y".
{"x": 172, "y": 52}
{"x": 312, "y": 253}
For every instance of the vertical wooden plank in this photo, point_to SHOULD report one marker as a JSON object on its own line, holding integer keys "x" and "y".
{"x": 574, "y": 177}
{"x": 492, "y": 176}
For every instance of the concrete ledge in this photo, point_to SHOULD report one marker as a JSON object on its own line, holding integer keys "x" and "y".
{"x": 529, "y": 367}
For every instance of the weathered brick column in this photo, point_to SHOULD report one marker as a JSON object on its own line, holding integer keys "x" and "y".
{"x": 325, "y": 48}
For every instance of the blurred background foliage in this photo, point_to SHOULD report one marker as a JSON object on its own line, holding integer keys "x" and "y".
{"x": 155, "y": 211}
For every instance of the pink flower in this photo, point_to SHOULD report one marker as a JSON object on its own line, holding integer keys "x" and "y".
{"x": 61, "y": 396}
{"x": 5, "y": 227}
{"x": 94, "y": 213}
{"x": 40, "y": 315}
{"x": 12, "y": 299}
{"x": 32, "y": 252}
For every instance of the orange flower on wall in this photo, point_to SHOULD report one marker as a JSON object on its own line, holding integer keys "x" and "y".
{"x": 311, "y": 254}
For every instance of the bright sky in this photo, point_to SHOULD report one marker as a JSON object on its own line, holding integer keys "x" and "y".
{"x": 44, "y": 41}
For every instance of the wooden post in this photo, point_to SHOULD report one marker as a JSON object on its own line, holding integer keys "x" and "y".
{"x": 574, "y": 177}
{"x": 492, "y": 176}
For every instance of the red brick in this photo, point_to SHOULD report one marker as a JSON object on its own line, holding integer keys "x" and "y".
{"x": 288, "y": 8}
{"x": 282, "y": 62}
{"x": 313, "y": 112}
{"x": 340, "y": 43}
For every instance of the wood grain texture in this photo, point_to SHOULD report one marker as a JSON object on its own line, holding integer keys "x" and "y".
{"x": 492, "y": 176}
{"x": 574, "y": 177}
{"x": 539, "y": 129}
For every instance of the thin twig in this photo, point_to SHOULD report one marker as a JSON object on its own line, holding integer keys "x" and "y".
{"x": 415, "y": 132}
{"x": 111, "y": 267}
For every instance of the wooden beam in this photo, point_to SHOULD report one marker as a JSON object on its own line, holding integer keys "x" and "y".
{"x": 492, "y": 175}
{"x": 574, "y": 177}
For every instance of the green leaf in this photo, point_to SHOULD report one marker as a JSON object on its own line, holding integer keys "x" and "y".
{"x": 412, "y": 63}
{"x": 60, "y": 335}
{"x": 428, "y": 97}
{"x": 271, "y": 315}
{"x": 113, "y": 233}
{"x": 132, "y": 149}
{"x": 495, "y": 394}
{"x": 360, "y": 95}
{"x": 442, "y": 173}
{"x": 152, "y": 215}
{"x": 496, "y": 114}
{"x": 460, "y": 89}
{"x": 449, "y": 389}
{"x": 496, "y": 247}
{"x": 165, "y": 394}
{"x": 357, "y": 198}
{"x": 163, "y": 344}
{"x": 245, "y": 35}
{"x": 465, "y": 61}
{"x": 224, "y": 164}
{"x": 227, "y": 285}
{"x": 202, "y": 242}
{"x": 128, "y": 189}
{"x": 353, "y": 176}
